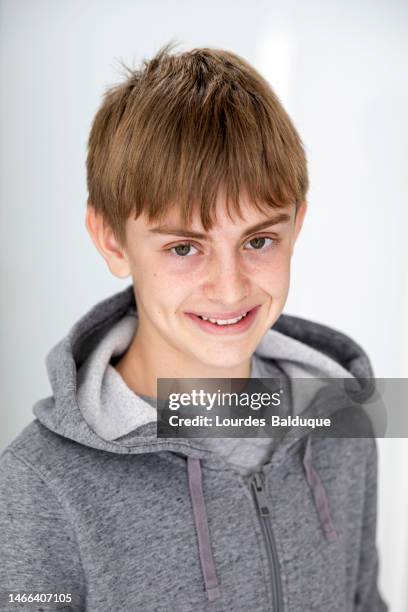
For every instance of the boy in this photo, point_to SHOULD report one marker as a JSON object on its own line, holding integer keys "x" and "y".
{"x": 197, "y": 185}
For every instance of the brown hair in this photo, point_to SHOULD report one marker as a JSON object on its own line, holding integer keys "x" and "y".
{"x": 183, "y": 126}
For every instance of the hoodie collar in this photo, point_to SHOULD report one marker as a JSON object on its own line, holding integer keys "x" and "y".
{"x": 300, "y": 347}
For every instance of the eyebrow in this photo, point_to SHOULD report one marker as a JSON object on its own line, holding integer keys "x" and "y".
{"x": 280, "y": 218}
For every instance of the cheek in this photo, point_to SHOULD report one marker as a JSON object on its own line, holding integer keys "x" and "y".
{"x": 157, "y": 291}
{"x": 150, "y": 276}
{"x": 167, "y": 294}
{"x": 274, "y": 275}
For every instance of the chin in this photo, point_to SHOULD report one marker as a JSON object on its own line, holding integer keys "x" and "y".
{"x": 223, "y": 360}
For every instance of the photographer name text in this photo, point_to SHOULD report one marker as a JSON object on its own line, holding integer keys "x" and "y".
{"x": 249, "y": 421}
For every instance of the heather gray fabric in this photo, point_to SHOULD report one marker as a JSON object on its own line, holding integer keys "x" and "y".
{"x": 100, "y": 387}
{"x": 147, "y": 524}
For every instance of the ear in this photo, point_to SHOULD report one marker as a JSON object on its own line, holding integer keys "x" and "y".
{"x": 106, "y": 243}
{"x": 299, "y": 218}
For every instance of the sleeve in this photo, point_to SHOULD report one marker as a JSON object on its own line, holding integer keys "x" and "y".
{"x": 38, "y": 549}
{"x": 368, "y": 597}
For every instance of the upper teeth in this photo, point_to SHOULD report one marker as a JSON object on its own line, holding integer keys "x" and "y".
{"x": 224, "y": 321}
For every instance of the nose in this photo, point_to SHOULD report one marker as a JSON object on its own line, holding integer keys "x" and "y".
{"x": 227, "y": 282}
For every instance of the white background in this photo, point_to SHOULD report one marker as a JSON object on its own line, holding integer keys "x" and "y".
{"x": 340, "y": 68}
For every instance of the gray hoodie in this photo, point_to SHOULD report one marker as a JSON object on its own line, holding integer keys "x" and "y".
{"x": 94, "y": 505}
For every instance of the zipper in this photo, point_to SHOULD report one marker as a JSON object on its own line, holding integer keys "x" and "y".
{"x": 264, "y": 512}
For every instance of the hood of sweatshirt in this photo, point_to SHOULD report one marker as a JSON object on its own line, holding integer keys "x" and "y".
{"x": 91, "y": 404}
{"x": 85, "y": 405}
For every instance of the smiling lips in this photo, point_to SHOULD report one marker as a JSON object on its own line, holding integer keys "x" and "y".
{"x": 227, "y": 322}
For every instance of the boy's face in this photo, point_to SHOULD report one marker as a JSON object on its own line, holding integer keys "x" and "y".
{"x": 180, "y": 275}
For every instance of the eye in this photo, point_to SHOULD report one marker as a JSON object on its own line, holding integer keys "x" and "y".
{"x": 183, "y": 250}
{"x": 258, "y": 243}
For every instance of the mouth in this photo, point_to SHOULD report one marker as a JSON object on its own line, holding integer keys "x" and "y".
{"x": 225, "y": 324}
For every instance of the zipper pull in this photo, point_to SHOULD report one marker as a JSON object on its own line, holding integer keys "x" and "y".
{"x": 260, "y": 495}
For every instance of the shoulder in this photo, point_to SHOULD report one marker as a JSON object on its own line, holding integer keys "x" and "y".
{"x": 38, "y": 450}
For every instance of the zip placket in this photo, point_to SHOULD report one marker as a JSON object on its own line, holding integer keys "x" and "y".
{"x": 263, "y": 507}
